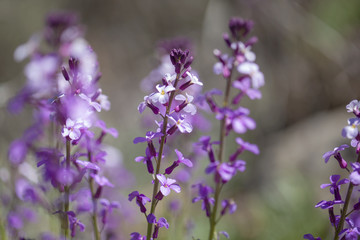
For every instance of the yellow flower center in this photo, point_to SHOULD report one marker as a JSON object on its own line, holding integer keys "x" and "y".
{"x": 162, "y": 92}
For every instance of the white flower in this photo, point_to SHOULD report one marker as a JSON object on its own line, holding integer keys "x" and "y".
{"x": 162, "y": 95}
{"x": 246, "y": 50}
{"x": 190, "y": 108}
{"x": 353, "y": 106}
{"x": 170, "y": 78}
{"x": 194, "y": 79}
{"x": 252, "y": 69}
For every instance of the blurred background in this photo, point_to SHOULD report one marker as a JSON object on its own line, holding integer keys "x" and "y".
{"x": 309, "y": 52}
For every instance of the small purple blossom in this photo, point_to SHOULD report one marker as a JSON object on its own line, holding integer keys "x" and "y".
{"x": 167, "y": 184}
{"x": 179, "y": 123}
{"x": 72, "y": 129}
{"x": 176, "y": 163}
{"x": 204, "y": 196}
{"x": 75, "y": 223}
{"x": 351, "y": 131}
{"x": 162, "y": 95}
{"x": 158, "y": 224}
{"x": 337, "y": 155}
{"x": 311, "y": 237}
{"x": 141, "y": 200}
{"x": 228, "y": 205}
{"x": 334, "y": 185}
{"x": 252, "y": 70}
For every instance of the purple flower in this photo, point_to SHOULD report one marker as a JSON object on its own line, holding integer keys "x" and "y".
{"x": 137, "y": 236}
{"x": 186, "y": 104}
{"x": 351, "y": 131}
{"x": 167, "y": 184}
{"x": 14, "y": 220}
{"x": 311, "y": 237}
{"x": 223, "y": 233}
{"x": 107, "y": 209}
{"x": 176, "y": 163}
{"x": 206, "y": 145}
{"x": 149, "y": 104}
{"x": 354, "y": 107}
{"x": 74, "y": 223}
{"x": 25, "y": 191}
{"x": 237, "y": 120}
{"x": 17, "y": 152}
{"x": 355, "y": 175}
{"x": 148, "y": 138}
{"x": 223, "y": 171}
{"x": 158, "y": 224}
{"x": 337, "y": 155}
{"x": 147, "y": 160}
{"x": 351, "y": 233}
{"x": 141, "y": 200}
{"x": 72, "y": 130}
{"x": 228, "y": 205}
{"x": 102, "y": 181}
{"x": 193, "y": 80}
{"x": 242, "y": 147}
{"x": 244, "y": 85}
{"x": 335, "y": 185}
{"x": 162, "y": 95}
{"x": 180, "y": 124}
{"x": 252, "y": 70}
{"x": 104, "y": 130}
{"x": 203, "y": 195}
{"x": 328, "y": 204}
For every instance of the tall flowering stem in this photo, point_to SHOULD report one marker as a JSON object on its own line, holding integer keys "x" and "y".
{"x": 346, "y": 224}
{"x": 219, "y": 185}
{"x": 158, "y": 162}
{"x": 67, "y": 192}
{"x": 232, "y": 118}
{"x": 169, "y": 102}
{"x": 62, "y": 87}
{"x": 94, "y": 201}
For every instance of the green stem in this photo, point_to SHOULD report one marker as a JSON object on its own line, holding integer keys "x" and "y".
{"x": 65, "y": 225}
{"x": 94, "y": 214}
{"x": 162, "y": 143}
{"x": 218, "y": 187}
{"x": 345, "y": 208}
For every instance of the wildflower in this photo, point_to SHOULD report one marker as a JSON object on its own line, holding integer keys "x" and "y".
{"x": 176, "y": 163}
{"x": 141, "y": 200}
{"x": 162, "y": 95}
{"x": 167, "y": 184}
{"x": 337, "y": 155}
{"x": 252, "y": 70}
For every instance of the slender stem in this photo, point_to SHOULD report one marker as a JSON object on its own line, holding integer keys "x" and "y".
{"x": 218, "y": 187}
{"x": 345, "y": 208}
{"x": 65, "y": 225}
{"x": 94, "y": 214}
{"x": 162, "y": 143}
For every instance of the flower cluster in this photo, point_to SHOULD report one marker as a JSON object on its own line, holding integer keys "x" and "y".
{"x": 171, "y": 101}
{"x": 62, "y": 88}
{"x": 241, "y": 74}
{"x": 349, "y": 207}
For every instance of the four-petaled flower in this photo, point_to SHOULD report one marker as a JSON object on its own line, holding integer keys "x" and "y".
{"x": 158, "y": 224}
{"x": 141, "y": 200}
{"x": 252, "y": 70}
{"x": 162, "y": 95}
{"x": 337, "y": 155}
{"x": 351, "y": 131}
{"x": 167, "y": 184}
{"x": 176, "y": 163}
{"x": 72, "y": 129}
{"x": 335, "y": 185}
